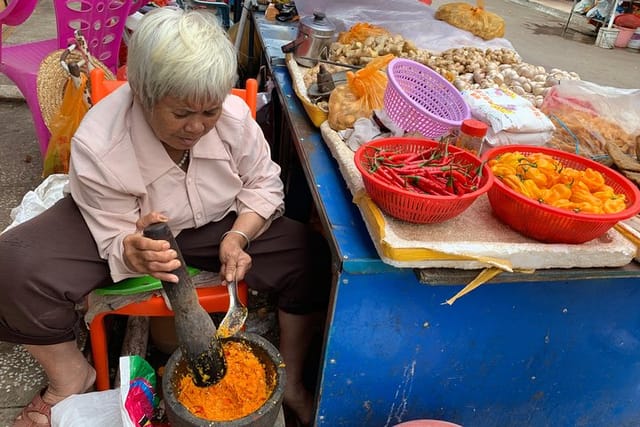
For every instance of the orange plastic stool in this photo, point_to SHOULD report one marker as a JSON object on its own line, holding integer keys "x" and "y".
{"x": 214, "y": 299}
{"x": 100, "y": 86}
{"x": 249, "y": 94}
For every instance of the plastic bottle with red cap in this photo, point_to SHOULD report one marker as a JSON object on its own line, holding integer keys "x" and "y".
{"x": 471, "y": 136}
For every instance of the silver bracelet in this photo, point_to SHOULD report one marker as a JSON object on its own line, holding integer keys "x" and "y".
{"x": 237, "y": 232}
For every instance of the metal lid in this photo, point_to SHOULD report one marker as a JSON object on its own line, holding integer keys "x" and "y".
{"x": 318, "y": 23}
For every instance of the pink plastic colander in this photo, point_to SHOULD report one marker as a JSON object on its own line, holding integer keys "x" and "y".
{"x": 418, "y": 99}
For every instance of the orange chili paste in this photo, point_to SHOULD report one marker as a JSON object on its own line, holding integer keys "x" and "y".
{"x": 240, "y": 392}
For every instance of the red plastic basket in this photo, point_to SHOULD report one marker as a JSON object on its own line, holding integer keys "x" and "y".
{"x": 410, "y": 206}
{"x": 554, "y": 225}
{"x": 418, "y": 99}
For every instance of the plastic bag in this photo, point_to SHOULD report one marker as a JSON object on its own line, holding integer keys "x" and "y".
{"x": 63, "y": 126}
{"x": 34, "y": 202}
{"x": 363, "y": 93}
{"x": 587, "y": 116}
{"x": 97, "y": 409}
{"x": 474, "y": 19}
{"x": 583, "y": 6}
{"x": 507, "y": 111}
{"x": 132, "y": 405}
{"x": 360, "y": 31}
{"x": 137, "y": 391}
{"x": 411, "y": 19}
{"x": 600, "y": 10}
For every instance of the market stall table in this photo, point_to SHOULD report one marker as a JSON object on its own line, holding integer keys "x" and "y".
{"x": 557, "y": 347}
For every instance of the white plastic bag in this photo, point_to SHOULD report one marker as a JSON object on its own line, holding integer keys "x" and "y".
{"x": 412, "y": 19}
{"x": 583, "y": 6}
{"x": 130, "y": 405}
{"x": 600, "y": 10}
{"x": 36, "y": 201}
{"x": 511, "y": 138}
{"x": 97, "y": 409}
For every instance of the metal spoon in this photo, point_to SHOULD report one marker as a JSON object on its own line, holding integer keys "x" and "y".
{"x": 236, "y": 315}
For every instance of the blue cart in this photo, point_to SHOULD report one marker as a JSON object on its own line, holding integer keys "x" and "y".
{"x": 556, "y": 348}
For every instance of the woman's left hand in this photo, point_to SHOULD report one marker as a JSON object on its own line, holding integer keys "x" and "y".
{"x": 235, "y": 262}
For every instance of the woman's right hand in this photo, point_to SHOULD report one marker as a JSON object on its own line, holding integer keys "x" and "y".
{"x": 149, "y": 256}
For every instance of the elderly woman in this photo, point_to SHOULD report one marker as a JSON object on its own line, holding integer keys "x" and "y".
{"x": 172, "y": 146}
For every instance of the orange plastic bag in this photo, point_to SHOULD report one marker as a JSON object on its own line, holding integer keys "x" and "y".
{"x": 471, "y": 18}
{"x": 360, "y": 31}
{"x": 363, "y": 93}
{"x": 63, "y": 126}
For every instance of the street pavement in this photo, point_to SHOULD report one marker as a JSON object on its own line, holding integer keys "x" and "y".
{"x": 534, "y": 29}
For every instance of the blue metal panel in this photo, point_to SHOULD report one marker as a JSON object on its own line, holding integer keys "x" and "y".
{"x": 513, "y": 354}
{"x": 330, "y": 190}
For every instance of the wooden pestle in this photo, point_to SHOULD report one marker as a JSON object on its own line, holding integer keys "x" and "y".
{"x": 195, "y": 329}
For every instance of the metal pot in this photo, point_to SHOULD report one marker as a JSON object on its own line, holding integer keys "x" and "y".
{"x": 315, "y": 35}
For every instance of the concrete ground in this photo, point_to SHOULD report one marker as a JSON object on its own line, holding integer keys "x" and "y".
{"x": 534, "y": 29}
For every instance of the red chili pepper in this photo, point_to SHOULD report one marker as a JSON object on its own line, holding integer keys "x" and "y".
{"x": 430, "y": 186}
{"x": 397, "y": 178}
{"x": 400, "y": 157}
{"x": 383, "y": 176}
{"x": 391, "y": 176}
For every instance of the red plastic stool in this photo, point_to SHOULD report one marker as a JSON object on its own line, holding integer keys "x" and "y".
{"x": 214, "y": 299}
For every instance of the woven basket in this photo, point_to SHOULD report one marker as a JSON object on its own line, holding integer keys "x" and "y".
{"x": 414, "y": 207}
{"x": 418, "y": 99}
{"x": 555, "y": 225}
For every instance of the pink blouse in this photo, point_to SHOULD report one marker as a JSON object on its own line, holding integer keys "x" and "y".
{"x": 120, "y": 171}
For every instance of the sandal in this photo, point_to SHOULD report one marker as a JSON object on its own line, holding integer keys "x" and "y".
{"x": 36, "y": 406}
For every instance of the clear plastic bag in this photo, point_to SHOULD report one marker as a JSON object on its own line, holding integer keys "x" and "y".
{"x": 588, "y": 116}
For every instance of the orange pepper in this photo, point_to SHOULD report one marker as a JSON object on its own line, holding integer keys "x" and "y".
{"x": 543, "y": 178}
{"x": 593, "y": 179}
{"x": 580, "y": 194}
{"x": 563, "y": 204}
{"x": 503, "y": 170}
{"x": 555, "y": 193}
{"x": 614, "y": 204}
{"x": 532, "y": 189}
{"x": 516, "y": 184}
{"x": 533, "y": 173}
{"x": 586, "y": 207}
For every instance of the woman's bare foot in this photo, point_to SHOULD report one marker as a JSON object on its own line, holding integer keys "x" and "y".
{"x": 77, "y": 385}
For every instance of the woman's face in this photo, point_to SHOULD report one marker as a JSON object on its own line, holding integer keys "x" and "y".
{"x": 180, "y": 123}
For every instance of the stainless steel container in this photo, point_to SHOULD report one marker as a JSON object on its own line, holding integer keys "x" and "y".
{"x": 315, "y": 35}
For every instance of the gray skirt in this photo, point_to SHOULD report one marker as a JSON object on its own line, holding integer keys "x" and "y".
{"x": 50, "y": 263}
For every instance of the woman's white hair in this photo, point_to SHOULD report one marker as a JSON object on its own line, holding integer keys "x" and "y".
{"x": 184, "y": 54}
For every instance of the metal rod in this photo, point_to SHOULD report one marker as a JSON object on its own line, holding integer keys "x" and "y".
{"x": 339, "y": 64}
